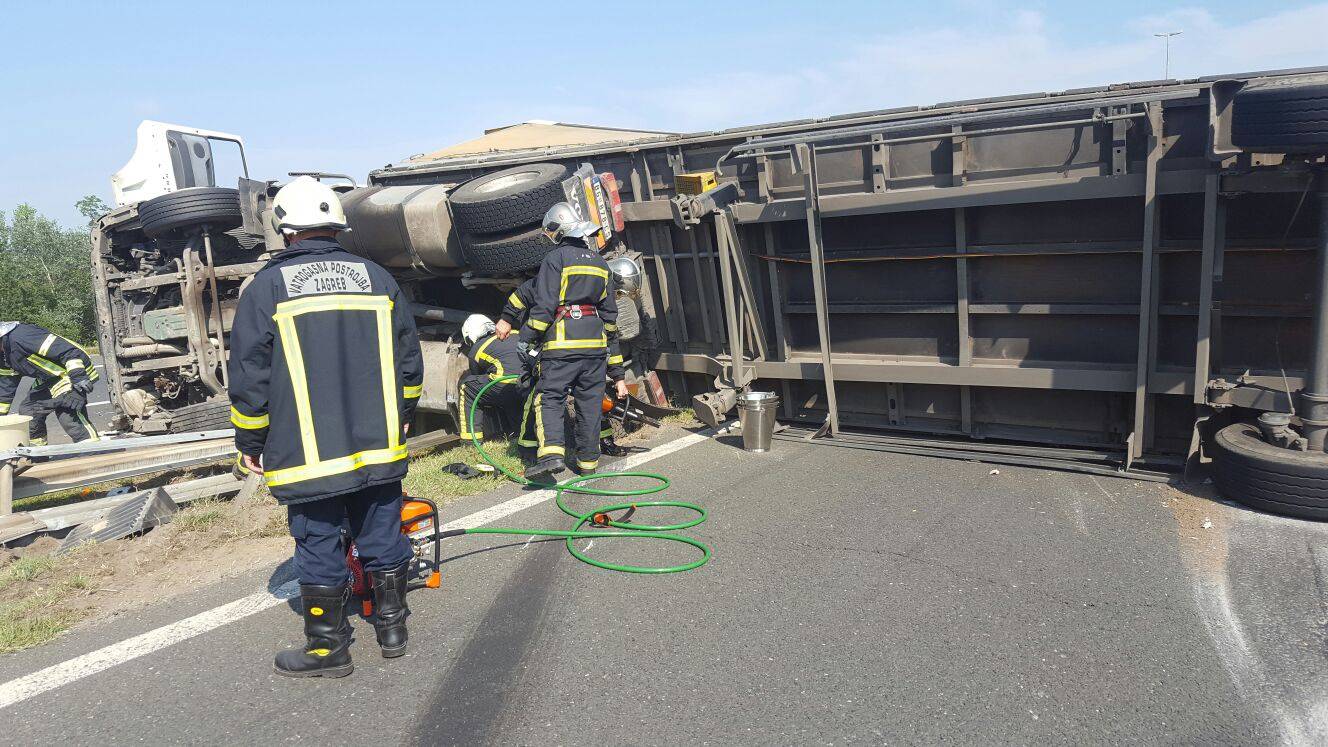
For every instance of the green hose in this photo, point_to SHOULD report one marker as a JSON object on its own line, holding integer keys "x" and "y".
{"x": 578, "y": 485}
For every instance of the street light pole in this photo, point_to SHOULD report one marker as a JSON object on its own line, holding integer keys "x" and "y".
{"x": 1166, "y": 70}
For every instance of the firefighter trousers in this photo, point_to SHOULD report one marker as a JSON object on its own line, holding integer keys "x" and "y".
{"x": 373, "y": 516}
{"x": 583, "y": 379}
{"x": 75, "y": 422}
{"x": 528, "y": 438}
{"x": 505, "y": 398}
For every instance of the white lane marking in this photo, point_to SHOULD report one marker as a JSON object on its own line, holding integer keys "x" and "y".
{"x": 58, "y": 675}
{"x": 536, "y": 497}
{"x": 18, "y": 690}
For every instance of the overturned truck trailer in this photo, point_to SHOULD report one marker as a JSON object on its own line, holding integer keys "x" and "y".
{"x": 1121, "y": 279}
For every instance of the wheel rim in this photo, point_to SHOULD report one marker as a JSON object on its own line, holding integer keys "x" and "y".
{"x": 507, "y": 180}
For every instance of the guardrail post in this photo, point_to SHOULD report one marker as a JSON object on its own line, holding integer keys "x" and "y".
{"x": 807, "y": 159}
{"x": 6, "y": 488}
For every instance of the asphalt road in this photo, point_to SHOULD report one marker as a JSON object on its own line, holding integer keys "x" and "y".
{"x": 854, "y": 597}
{"x": 100, "y": 410}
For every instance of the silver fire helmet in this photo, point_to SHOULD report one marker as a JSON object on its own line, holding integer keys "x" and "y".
{"x": 626, "y": 275}
{"x": 562, "y": 221}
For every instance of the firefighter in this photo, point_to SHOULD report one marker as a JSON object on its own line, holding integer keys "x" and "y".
{"x": 62, "y": 378}
{"x": 514, "y": 315}
{"x": 490, "y": 357}
{"x": 325, "y": 371}
{"x": 571, "y": 322}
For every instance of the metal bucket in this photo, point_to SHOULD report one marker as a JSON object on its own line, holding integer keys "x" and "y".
{"x": 756, "y": 412}
{"x": 13, "y": 431}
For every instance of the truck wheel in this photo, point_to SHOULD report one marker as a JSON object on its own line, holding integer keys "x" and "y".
{"x": 217, "y": 207}
{"x": 1281, "y": 118}
{"x": 509, "y": 199}
{"x": 1260, "y": 475}
{"x": 214, "y": 414}
{"x": 507, "y": 254}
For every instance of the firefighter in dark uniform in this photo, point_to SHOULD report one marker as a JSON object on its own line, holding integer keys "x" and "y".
{"x": 490, "y": 358}
{"x": 571, "y": 322}
{"x": 513, "y": 316}
{"x": 325, "y": 371}
{"x": 62, "y": 376}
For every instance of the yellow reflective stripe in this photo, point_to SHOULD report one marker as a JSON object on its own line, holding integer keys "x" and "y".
{"x": 284, "y": 316}
{"x": 93, "y": 435}
{"x": 61, "y": 386}
{"x": 336, "y": 466}
{"x": 336, "y": 302}
{"x": 587, "y": 465}
{"x": 463, "y": 411}
{"x": 248, "y": 422}
{"x": 553, "y": 449}
{"x": 46, "y": 345}
{"x": 610, "y": 327}
{"x": 515, "y": 300}
{"x": 606, "y": 432}
{"x": 576, "y": 344}
{"x": 525, "y": 421}
{"x": 497, "y": 364}
{"x": 8, "y": 372}
{"x": 387, "y": 366}
{"x": 46, "y": 365}
{"x": 290, "y": 344}
{"x": 615, "y": 360}
{"x": 571, "y": 270}
{"x": 539, "y": 421}
{"x": 412, "y": 392}
{"x": 4, "y": 408}
{"x": 537, "y": 325}
{"x": 77, "y": 363}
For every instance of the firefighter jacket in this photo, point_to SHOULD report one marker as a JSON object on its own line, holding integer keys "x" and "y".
{"x": 325, "y": 371}
{"x": 494, "y": 357}
{"x": 47, "y": 358}
{"x": 518, "y": 304}
{"x": 574, "y": 313}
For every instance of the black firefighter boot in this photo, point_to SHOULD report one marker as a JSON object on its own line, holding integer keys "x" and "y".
{"x": 327, "y": 651}
{"x": 390, "y": 610}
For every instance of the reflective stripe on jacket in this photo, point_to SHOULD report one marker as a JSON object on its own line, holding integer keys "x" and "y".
{"x": 325, "y": 371}
{"x": 495, "y": 357}
{"x": 49, "y": 359}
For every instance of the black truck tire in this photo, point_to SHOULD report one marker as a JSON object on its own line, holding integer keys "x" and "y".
{"x": 506, "y": 200}
{"x": 507, "y": 254}
{"x": 214, "y": 414}
{"x": 1280, "y": 481}
{"x": 1281, "y": 118}
{"x": 217, "y": 207}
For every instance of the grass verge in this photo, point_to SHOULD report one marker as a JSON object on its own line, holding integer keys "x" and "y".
{"x": 428, "y": 480}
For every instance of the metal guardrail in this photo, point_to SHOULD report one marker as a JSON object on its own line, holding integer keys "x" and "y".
{"x": 34, "y": 470}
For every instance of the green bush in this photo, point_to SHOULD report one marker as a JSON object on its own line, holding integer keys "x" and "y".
{"x": 45, "y": 271}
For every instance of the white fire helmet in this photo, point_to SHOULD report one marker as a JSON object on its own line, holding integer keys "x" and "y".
{"x": 475, "y": 327}
{"x": 306, "y": 204}
{"x": 561, "y": 221}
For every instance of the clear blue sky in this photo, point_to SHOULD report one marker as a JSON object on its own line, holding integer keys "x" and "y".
{"x": 352, "y": 86}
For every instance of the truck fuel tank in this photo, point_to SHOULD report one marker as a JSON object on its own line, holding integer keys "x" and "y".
{"x": 403, "y": 227}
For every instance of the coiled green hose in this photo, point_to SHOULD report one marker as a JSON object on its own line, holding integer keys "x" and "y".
{"x": 578, "y": 485}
